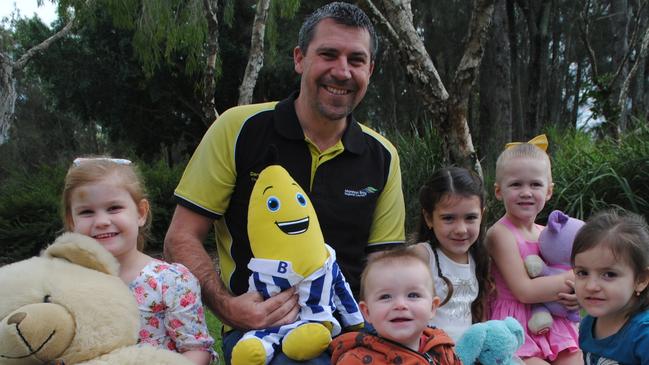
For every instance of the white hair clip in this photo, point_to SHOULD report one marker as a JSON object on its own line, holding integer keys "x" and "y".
{"x": 120, "y": 161}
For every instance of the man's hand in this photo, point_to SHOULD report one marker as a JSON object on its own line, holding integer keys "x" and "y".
{"x": 251, "y": 311}
{"x": 184, "y": 244}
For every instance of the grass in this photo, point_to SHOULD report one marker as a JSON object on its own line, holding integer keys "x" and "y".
{"x": 214, "y": 326}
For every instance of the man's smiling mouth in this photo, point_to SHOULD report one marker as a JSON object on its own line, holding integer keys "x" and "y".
{"x": 337, "y": 91}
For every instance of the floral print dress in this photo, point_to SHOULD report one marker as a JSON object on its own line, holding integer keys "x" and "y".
{"x": 171, "y": 311}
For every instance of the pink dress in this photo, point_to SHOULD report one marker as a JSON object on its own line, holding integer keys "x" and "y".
{"x": 563, "y": 334}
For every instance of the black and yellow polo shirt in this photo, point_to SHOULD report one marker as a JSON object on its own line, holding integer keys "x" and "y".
{"x": 355, "y": 186}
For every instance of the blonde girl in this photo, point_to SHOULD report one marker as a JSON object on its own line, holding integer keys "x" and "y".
{"x": 105, "y": 199}
{"x": 449, "y": 238}
{"x": 610, "y": 258}
{"x": 524, "y": 184}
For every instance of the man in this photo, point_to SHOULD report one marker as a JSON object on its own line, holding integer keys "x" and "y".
{"x": 350, "y": 173}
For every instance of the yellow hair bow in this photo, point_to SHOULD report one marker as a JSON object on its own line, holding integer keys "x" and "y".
{"x": 540, "y": 141}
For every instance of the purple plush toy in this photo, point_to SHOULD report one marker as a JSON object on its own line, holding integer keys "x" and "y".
{"x": 555, "y": 244}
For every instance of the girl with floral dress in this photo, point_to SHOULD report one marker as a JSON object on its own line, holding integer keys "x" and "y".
{"x": 104, "y": 198}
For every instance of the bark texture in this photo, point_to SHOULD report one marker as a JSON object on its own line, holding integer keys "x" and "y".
{"x": 8, "y": 69}
{"x": 496, "y": 84}
{"x": 209, "y": 79}
{"x": 448, "y": 110}
{"x": 256, "y": 56}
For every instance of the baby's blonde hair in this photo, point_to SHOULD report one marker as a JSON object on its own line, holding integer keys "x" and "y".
{"x": 94, "y": 169}
{"x": 523, "y": 150}
{"x": 402, "y": 255}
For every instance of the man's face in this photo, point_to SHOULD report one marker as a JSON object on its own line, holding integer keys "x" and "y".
{"x": 335, "y": 70}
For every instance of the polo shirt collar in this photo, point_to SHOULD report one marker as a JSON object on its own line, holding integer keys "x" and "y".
{"x": 288, "y": 126}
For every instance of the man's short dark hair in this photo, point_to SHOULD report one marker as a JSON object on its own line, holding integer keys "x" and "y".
{"x": 341, "y": 13}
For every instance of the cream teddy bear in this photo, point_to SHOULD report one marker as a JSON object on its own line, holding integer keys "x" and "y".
{"x": 68, "y": 306}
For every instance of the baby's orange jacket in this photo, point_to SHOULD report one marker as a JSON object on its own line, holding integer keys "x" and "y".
{"x": 364, "y": 348}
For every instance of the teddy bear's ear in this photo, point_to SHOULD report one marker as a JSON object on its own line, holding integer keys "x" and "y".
{"x": 516, "y": 329}
{"x": 556, "y": 220}
{"x": 469, "y": 346}
{"x": 83, "y": 250}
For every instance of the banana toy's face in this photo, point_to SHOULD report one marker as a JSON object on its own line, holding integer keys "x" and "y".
{"x": 281, "y": 217}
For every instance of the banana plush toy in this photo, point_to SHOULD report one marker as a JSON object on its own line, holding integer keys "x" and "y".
{"x": 289, "y": 250}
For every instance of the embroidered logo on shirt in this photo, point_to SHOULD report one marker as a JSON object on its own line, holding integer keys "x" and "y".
{"x": 361, "y": 193}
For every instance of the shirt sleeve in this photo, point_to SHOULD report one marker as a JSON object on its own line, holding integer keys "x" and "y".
{"x": 184, "y": 317}
{"x": 389, "y": 215}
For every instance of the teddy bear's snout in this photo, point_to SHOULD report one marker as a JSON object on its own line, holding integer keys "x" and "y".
{"x": 42, "y": 330}
{"x": 16, "y": 318}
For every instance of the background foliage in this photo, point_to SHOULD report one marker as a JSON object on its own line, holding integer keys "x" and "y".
{"x": 104, "y": 90}
{"x": 589, "y": 176}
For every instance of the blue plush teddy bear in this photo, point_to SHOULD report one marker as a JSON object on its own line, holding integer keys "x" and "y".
{"x": 491, "y": 343}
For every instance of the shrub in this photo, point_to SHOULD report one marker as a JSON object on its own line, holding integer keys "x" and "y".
{"x": 420, "y": 155}
{"x": 29, "y": 215}
{"x": 589, "y": 176}
{"x": 160, "y": 180}
{"x": 29, "y": 207}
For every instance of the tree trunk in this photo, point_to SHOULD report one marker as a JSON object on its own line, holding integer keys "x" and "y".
{"x": 495, "y": 86}
{"x": 396, "y": 17}
{"x": 576, "y": 96}
{"x": 449, "y": 114}
{"x": 517, "y": 103}
{"x": 643, "y": 113}
{"x": 619, "y": 22}
{"x": 624, "y": 89}
{"x": 256, "y": 56}
{"x": 565, "y": 87}
{"x": 552, "y": 98}
{"x": 537, "y": 14}
{"x": 9, "y": 68}
{"x": 639, "y": 91}
{"x": 8, "y": 96}
{"x": 459, "y": 139}
{"x": 209, "y": 78}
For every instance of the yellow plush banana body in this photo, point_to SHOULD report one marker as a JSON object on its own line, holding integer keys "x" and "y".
{"x": 282, "y": 223}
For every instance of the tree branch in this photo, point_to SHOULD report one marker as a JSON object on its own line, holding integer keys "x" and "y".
{"x": 210, "y": 113}
{"x": 22, "y": 61}
{"x": 584, "y": 31}
{"x": 632, "y": 45}
{"x": 379, "y": 18}
{"x": 419, "y": 66}
{"x": 627, "y": 81}
{"x": 256, "y": 56}
{"x": 469, "y": 67}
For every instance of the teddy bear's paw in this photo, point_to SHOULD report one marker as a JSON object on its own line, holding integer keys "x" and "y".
{"x": 534, "y": 265}
{"x": 540, "y": 322}
{"x": 306, "y": 341}
{"x": 249, "y": 352}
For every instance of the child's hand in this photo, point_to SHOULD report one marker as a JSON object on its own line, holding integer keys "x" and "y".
{"x": 568, "y": 286}
{"x": 569, "y": 300}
